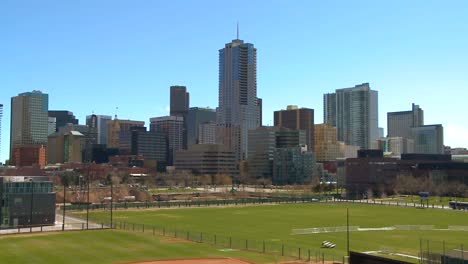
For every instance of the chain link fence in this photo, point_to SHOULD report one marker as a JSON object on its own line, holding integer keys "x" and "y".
{"x": 277, "y": 248}
{"x": 442, "y": 252}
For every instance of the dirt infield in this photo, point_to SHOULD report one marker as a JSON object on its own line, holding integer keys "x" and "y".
{"x": 196, "y": 261}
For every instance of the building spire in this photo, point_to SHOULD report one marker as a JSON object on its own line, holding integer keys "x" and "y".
{"x": 237, "y": 29}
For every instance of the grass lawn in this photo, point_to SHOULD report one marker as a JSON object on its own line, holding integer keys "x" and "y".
{"x": 107, "y": 246}
{"x": 276, "y": 222}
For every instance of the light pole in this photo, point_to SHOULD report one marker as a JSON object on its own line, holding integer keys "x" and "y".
{"x": 87, "y": 200}
{"x": 63, "y": 217}
{"x": 111, "y": 204}
{"x": 347, "y": 230}
{"x": 32, "y": 200}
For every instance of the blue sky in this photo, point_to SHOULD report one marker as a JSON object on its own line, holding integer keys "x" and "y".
{"x": 98, "y": 55}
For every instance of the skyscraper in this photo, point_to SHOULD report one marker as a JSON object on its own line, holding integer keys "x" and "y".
{"x": 63, "y": 117}
{"x": 298, "y": 119}
{"x": 238, "y": 107}
{"x": 399, "y": 124}
{"x": 172, "y": 127}
{"x": 428, "y": 139}
{"x": 179, "y": 101}
{"x": 29, "y": 128}
{"x": 101, "y": 126}
{"x": 264, "y": 141}
{"x": 119, "y": 134}
{"x": 354, "y": 112}
{"x": 196, "y": 117}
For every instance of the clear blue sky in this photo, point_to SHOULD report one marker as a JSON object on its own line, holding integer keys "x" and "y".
{"x": 98, "y": 55}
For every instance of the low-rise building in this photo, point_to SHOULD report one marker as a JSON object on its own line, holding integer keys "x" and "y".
{"x": 209, "y": 159}
{"x": 26, "y": 201}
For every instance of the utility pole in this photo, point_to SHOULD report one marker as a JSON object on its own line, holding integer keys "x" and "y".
{"x": 32, "y": 200}
{"x": 63, "y": 217}
{"x": 87, "y": 200}
{"x": 347, "y": 230}
{"x": 112, "y": 200}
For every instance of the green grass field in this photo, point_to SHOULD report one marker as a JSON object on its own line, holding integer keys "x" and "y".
{"x": 107, "y": 246}
{"x": 276, "y": 222}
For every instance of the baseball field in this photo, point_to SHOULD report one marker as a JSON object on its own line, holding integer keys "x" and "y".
{"x": 114, "y": 246}
{"x": 381, "y": 228}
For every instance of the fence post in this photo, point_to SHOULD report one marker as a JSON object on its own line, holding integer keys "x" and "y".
{"x": 102, "y": 225}
{"x": 246, "y": 244}
{"x": 308, "y": 255}
{"x": 230, "y": 242}
{"x": 282, "y": 250}
{"x": 263, "y": 246}
{"x": 462, "y": 253}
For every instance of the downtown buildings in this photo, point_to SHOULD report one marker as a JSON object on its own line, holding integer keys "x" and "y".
{"x": 409, "y": 127}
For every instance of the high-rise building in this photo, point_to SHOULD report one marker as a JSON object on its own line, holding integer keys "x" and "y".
{"x": 326, "y": 146}
{"x": 399, "y": 124}
{"x": 238, "y": 108}
{"x": 51, "y": 125}
{"x": 354, "y": 112}
{"x": 119, "y": 134}
{"x": 180, "y": 107}
{"x": 207, "y": 133}
{"x": 62, "y": 118}
{"x": 197, "y": 116}
{"x": 293, "y": 166}
{"x": 264, "y": 141}
{"x": 298, "y": 119}
{"x": 149, "y": 144}
{"x": 29, "y": 128}
{"x": 100, "y": 123}
{"x": 173, "y": 128}
{"x": 260, "y": 110}
{"x": 179, "y": 101}
{"x": 428, "y": 139}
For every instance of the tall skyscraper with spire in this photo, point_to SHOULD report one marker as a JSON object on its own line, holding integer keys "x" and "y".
{"x": 238, "y": 109}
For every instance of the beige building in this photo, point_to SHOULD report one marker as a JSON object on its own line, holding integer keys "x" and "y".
{"x": 326, "y": 145}
{"x": 210, "y": 159}
{"x": 65, "y": 147}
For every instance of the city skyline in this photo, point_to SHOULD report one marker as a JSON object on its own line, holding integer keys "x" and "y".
{"x": 87, "y": 63}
